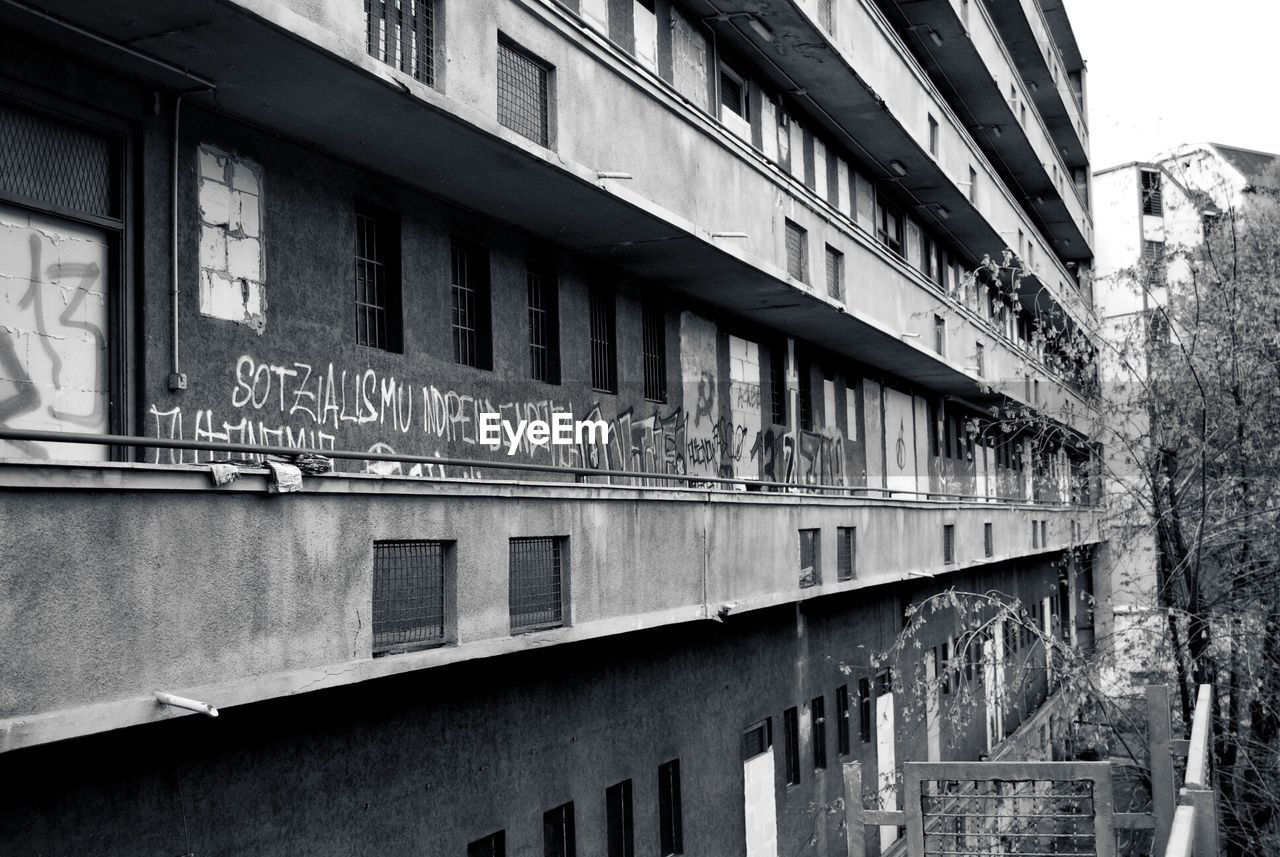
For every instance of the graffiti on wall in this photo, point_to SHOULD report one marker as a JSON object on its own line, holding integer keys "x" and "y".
{"x": 53, "y": 321}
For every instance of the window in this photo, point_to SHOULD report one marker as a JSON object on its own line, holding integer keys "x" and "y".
{"x": 933, "y": 136}
{"x": 964, "y": 14}
{"x": 401, "y": 33}
{"x": 791, "y": 744}
{"x": 377, "y": 271}
{"x": 604, "y": 355}
{"x": 409, "y": 583}
{"x": 889, "y": 227}
{"x": 988, "y": 539}
{"x": 940, "y": 335}
{"x": 645, "y": 21}
{"x": 1153, "y": 257}
{"x": 1152, "y": 193}
{"x": 818, "y": 726}
{"x": 493, "y": 845}
{"x": 1044, "y": 532}
{"x": 973, "y": 185}
{"x": 544, "y": 326}
{"x": 655, "y": 352}
{"x": 778, "y": 385}
{"x": 733, "y": 97}
{"x": 944, "y": 666}
{"x": 670, "y": 824}
{"x": 864, "y": 710}
{"x": 804, "y": 393}
{"x": 471, "y": 326}
{"x": 797, "y": 252}
{"x": 1035, "y": 533}
{"x": 757, "y": 738}
{"x": 620, "y": 825}
{"x": 536, "y": 583}
{"x": 826, "y": 15}
{"x": 810, "y": 545}
{"x": 835, "y": 273}
{"x": 948, "y": 543}
{"x": 846, "y": 553}
{"x": 981, "y": 359}
{"x": 557, "y": 832}
{"x": 784, "y": 138}
{"x": 523, "y": 93}
{"x": 842, "y": 720}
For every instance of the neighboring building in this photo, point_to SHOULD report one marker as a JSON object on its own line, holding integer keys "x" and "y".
{"x": 740, "y": 233}
{"x": 1148, "y": 215}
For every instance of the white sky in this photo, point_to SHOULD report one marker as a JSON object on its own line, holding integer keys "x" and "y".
{"x": 1164, "y": 72}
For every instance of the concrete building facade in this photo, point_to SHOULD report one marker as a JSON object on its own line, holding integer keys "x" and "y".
{"x": 821, "y": 267}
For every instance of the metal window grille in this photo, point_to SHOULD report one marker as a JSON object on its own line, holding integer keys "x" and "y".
{"x": 842, "y": 720}
{"x": 536, "y": 583}
{"x": 756, "y": 739}
{"x": 401, "y": 33}
{"x": 523, "y": 103}
{"x": 826, "y": 15}
{"x": 805, "y": 393}
{"x": 864, "y": 710}
{"x": 544, "y": 323}
{"x": 940, "y": 335}
{"x": 58, "y": 165}
{"x": 948, "y": 543}
{"x": 791, "y": 744}
{"x": 604, "y": 355}
{"x": 558, "y": 833}
{"x": 670, "y": 813}
{"x": 408, "y": 595}
{"x": 470, "y": 307}
{"x": 377, "y": 321}
{"x": 493, "y": 845}
{"x": 778, "y": 386}
{"x": 797, "y": 252}
{"x": 810, "y": 573}
{"x": 1152, "y": 193}
{"x": 818, "y": 726}
{"x": 846, "y": 553}
{"x": 655, "y": 352}
{"x": 835, "y": 273}
{"x": 619, "y": 819}
{"x": 944, "y": 666}
{"x": 988, "y": 539}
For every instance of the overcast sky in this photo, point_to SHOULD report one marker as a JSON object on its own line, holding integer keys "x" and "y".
{"x": 1164, "y": 72}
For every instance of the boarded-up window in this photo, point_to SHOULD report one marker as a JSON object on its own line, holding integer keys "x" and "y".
{"x": 232, "y": 258}
{"x": 688, "y": 59}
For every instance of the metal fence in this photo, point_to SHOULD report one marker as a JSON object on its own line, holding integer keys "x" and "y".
{"x": 408, "y": 595}
{"x": 536, "y": 583}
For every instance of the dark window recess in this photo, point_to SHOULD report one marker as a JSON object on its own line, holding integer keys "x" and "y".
{"x": 944, "y": 667}
{"x": 818, "y": 725}
{"x": 756, "y": 739}
{"x": 778, "y": 386}
{"x": 981, "y": 360}
{"x": 377, "y": 276}
{"x": 973, "y": 181}
{"x": 884, "y": 683}
{"x": 1035, "y": 534}
{"x": 619, "y": 821}
{"x": 733, "y": 92}
{"x": 797, "y": 252}
{"x": 670, "y": 822}
{"x": 557, "y": 832}
{"x": 401, "y": 33}
{"x": 933, "y": 136}
{"x": 940, "y": 335}
{"x": 536, "y": 583}
{"x": 493, "y": 845}
{"x": 604, "y": 352}
{"x": 654, "y": 333}
{"x": 864, "y": 710}
{"x": 846, "y": 553}
{"x": 835, "y": 273}
{"x": 810, "y": 545}
{"x": 842, "y": 720}
{"x": 472, "y": 334}
{"x": 544, "y": 326}
{"x": 523, "y": 93}
{"x": 948, "y": 543}
{"x": 1152, "y": 193}
{"x": 988, "y": 539}
{"x": 58, "y": 165}
{"x": 791, "y": 744}
{"x": 408, "y": 595}
{"x": 804, "y": 382}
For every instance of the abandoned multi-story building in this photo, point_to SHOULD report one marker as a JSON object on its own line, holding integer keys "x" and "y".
{"x": 818, "y": 265}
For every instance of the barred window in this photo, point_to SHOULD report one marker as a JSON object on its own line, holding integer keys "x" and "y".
{"x": 537, "y": 588}
{"x": 409, "y": 583}
{"x": 835, "y": 273}
{"x": 810, "y": 544}
{"x": 377, "y": 277}
{"x": 778, "y": 386}
{"x": 523, "y": 93}
{"x": 948, "y": 543}
{"x": 604, "y": 353}
{"x": 797, "y": 252}
{"x": 472, "y": 338}
{"x": 558, "y": 835}
{"x": 401, "y": 33}
{"x": 544, "y": 325}
{"x": 846, "y": 553}
{"x": 655, "y": 352}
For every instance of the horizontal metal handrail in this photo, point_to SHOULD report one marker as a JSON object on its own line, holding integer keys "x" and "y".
{"x": 1197, "y": 776}
{"x": 693, "y": 481}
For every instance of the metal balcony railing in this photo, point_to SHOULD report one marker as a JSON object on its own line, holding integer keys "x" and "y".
{"x": 1194, "y": 832}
